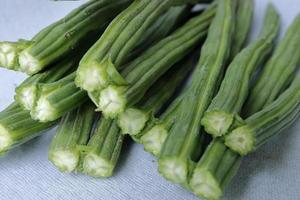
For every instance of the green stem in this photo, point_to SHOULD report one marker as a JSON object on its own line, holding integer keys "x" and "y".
{"x": 103, "y": 149}
{"x": 133, "y": 119}
{"x": 278, "y": 71}
{"x": 183, "y": 145}
{"x": 79, "y": 29}
{"x": 234, "y": 88}
{"x": 17, "y": 127}
{"x": 9, "y": 52}
{"x": 73, "y": 131}
{"x": 56, "y": 99}
{"x": 146, "y": 69}
{"x": 111, "y": 51}
{"x": 214, "y": 171}
{"x": 26, "y": 93}
{"x": 267, "y": 122}
{"x": 243, "y": 23}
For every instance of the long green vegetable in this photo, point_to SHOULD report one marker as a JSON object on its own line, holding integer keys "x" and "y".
{"x": 26, "y": 93}
{"x": 183, "y": 145}
{"x": 57, "y": 98}
{"x": 156, "y": 131}
{"x": 243, "y": 24}
{"x": 110, "y": 52}
{"x": 267, "y": 122}
{"x": 282, "y": 66}
{"x": 103, "y": 149}
{"x": 64, "y": 94}
{"x": 81, "y": 27}
{"x": 234, "y": 88}
{"x": 9, "y": 52}
{"x": 214, "y": 171}
{"x": 165, "y": 25}
{"x": 73, "y": 131}
{"x": 133, "y": 119}
{"x": 17, "y": 127}
{"x": 146, "y": 69}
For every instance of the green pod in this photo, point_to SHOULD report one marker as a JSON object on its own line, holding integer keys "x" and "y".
{"x": 267, "y": 122}
{"x": 17, "y": 127}
{"x": 73, "y": 131}
{"x": 103, "y": 149}
{"x": 133, "y": 119}
{"x": 9, "y": 52}
{"x": 182, "y": 147}
{"x": 281, "y": 68}
{"x": 111, "y": 51}
{"x": 214, "y": 171}
{"x": 56, "y": 99}
{"x": 142, "y": 72}
{"x": 243, "y": 23}
{"x": 165, "y": 25}
{"x": 233, "y": 92}
{"x": 157, "y": 129}
{"x": 79, "y": 29}
{"x": 26, "y": 92}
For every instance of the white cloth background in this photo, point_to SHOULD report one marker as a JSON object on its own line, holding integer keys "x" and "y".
{"x": 272, "y": 173}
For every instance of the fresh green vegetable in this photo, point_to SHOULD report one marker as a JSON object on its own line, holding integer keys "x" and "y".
{"x": 183, "y": 145}
{"x": 73, "y": 131}
{"x": 26, "y": 93}
{"x": 147, "y": 68}
{"x": 214, "y": 171}
{"x": 111, "y": 51}
{"x": 9, "y": 52}
{"x": 156, "y": 131}
{"x": 17, "y": 127}
{"x": 165, "y": 25}
{"x": 133, "y": 119}
{"x": 82, "y": 26}
{"x": 56, "y": 99}
{"x": 234, "y": 88}
{"x": 267, "y": 122}
{"x": 244, "y": 17}
{"x": 281, "y": 67}
{"x": 103, "y": 149}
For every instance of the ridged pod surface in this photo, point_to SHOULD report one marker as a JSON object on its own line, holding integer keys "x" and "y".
{"x": 266, "y": 123}
{"x": 281, "y": 67}
{"x": 142, "y": 72}
{"x": 233, "y": 92}
{"x": 103, "y": 149}
{"x": 133, "y": 119}
{"x": 17, "y": 127}
{"x": 83, "y": 25}
{"x": 73, "y": 131}
{"x": 58, "y": 98}
{"x": 183, "y": 144}
{"x": 110, "y": 52}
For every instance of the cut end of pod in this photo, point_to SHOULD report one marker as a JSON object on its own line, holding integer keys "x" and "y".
{"x": 217, "y": 123}
{"x": 154, "y": 139}
{"x": 65, "y": 160}
{"x": 173, "y": 169}
{"x": 8, "y": 55}
{"x": 132, "y": 121}
{"x": 95, "y": 166}
{"x": 241, "y": 140}
{"x": 91, "y": 77}
{"x": 5, "y": 139}
{"x": 112, "y": 101}
{"x": 28, "y": 63}
{"x": 26, "y": 96}
{"x": 204, "y": 185}
{"x": 43, "y": 111}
